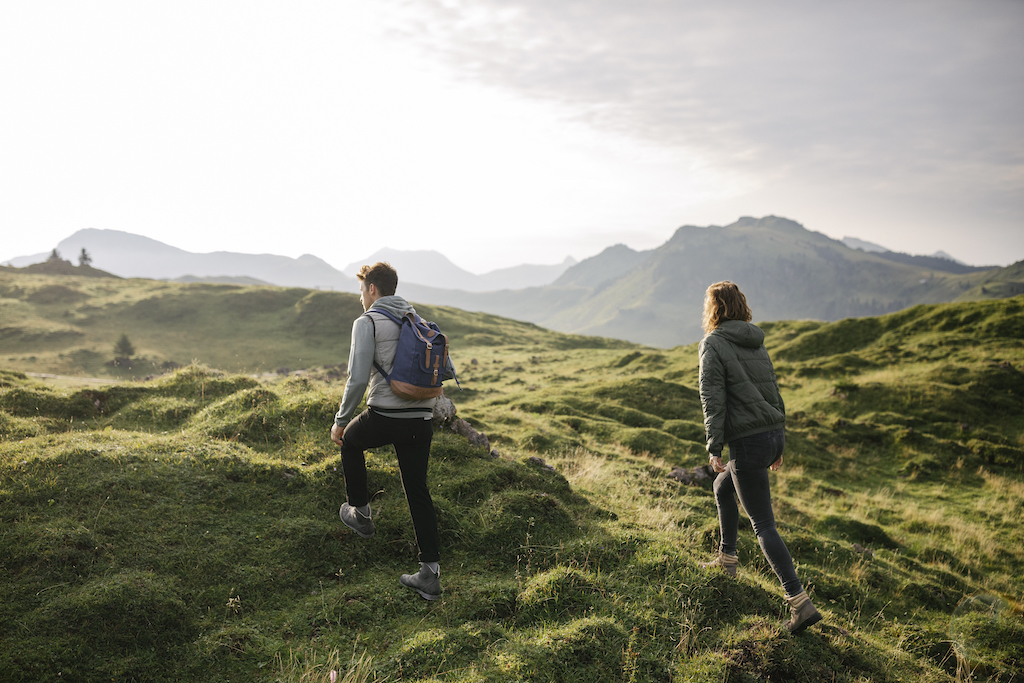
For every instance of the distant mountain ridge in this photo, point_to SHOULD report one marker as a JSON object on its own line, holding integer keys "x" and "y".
{"x": 787, "y": 272}
{"x": 434, "y": 269}
{"x": 652, "y": 297}
{"x": 129, "y": 255}
{"x": 940, "y": 260}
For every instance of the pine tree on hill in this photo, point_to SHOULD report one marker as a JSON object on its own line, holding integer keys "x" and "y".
{"x": 123, "y": 348}
{"x": 84, "y": 259}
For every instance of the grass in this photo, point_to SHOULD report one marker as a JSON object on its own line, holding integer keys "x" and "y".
{"x": 184, "y": 527}
{"x": 68, "y": 325}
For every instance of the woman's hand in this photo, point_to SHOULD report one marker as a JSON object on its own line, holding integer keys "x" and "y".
{"x": 776, "y": 465}
{"x": 716, "y": 463}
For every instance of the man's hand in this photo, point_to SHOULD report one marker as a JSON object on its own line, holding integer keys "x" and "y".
{"x": 776, "y": 465}
{"x": 337, "y": 434}
{"x": 716, "y": 463}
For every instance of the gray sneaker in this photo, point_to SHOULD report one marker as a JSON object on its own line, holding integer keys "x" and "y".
{"x": 424, "y": 582}
{"x": 356, "y": 521}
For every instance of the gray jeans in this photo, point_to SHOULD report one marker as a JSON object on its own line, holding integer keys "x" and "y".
{"x": 746, "y": 476}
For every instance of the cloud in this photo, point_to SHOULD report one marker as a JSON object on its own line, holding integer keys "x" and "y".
{"x": 907, "y": 104}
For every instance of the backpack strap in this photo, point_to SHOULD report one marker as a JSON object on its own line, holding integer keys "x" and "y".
{"x": 393, "y": 317}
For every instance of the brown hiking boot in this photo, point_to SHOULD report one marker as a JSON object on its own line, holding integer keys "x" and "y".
{"x": 802, "y": 613}
{"x": 727, "y": 562}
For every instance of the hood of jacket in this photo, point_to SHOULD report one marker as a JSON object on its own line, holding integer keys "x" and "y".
{"x": 394, "y": 304}
{"x": 741, "y": 333}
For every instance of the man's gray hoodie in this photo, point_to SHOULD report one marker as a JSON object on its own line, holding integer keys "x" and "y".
{"x": 738, "y": 389}
{"x": 375, "y": 338}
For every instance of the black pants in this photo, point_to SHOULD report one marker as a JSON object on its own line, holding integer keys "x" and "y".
{"x": 411, "y": 439}
{"x": 746, "y": 476}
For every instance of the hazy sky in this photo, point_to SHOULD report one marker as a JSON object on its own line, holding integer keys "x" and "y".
{"x": 507, "y": 132}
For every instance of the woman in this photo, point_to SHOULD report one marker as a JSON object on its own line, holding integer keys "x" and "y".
{"x": 743, "y": 408}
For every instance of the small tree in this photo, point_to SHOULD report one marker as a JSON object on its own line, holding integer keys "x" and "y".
{"x": 84, "y": 259}
{"x": 54, "y": 255}
{"x": 123, "y": 348}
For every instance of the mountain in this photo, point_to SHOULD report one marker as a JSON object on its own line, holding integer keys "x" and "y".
{"x": 651, "y": 297}
{"x": 424, "y": 267}
{"x": 863, "y": 245}
{"x": 611, "y": 263}
{"x": 943, "y": 255}
{"x": 787, "y": 272}
{"x": 130, "y": 255}
{"x": 432, "y": 269}
{"x": 525, "y": 275}
{"x": 940, "y": 260}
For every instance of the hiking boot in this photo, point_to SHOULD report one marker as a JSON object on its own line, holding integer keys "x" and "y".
{"x": 802, "y": 613}
{"x": 356, "y": 521}
{"x": 424, "y": 582}
{"x": 727, "y": 562}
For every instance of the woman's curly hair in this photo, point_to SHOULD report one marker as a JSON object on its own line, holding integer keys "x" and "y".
{"x": 724, "y": 301}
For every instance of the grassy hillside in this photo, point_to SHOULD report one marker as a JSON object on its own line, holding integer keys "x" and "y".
{"x": 1002, "y": 283}
{"x": 68, "y": 325}
{"x": 185, "y": 528}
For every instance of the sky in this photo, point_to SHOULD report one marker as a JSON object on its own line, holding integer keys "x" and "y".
{"x": 501, "y": 133}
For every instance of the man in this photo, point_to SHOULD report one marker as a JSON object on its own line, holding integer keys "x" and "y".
{"x": 387, "y": 419}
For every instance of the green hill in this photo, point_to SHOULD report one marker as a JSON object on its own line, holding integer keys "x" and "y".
{"x": 58, "y": 266}
{"x": 185, "y": 528}
{"x": 69, "y": 324}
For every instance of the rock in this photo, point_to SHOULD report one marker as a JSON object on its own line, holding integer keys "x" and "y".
{"x": 444, "y": 418}
{"x": 857, "y": 547}
{"x": 444, "y": 412}
{"x": 540, "y": 462}
{"x": 703, "y": 474}
{"x": 460, "y": 426}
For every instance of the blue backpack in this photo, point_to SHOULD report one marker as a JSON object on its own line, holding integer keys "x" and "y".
{"x": 421, "y": 360}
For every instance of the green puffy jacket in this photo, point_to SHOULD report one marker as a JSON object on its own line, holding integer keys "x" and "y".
{"x": 738, "y": 390}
